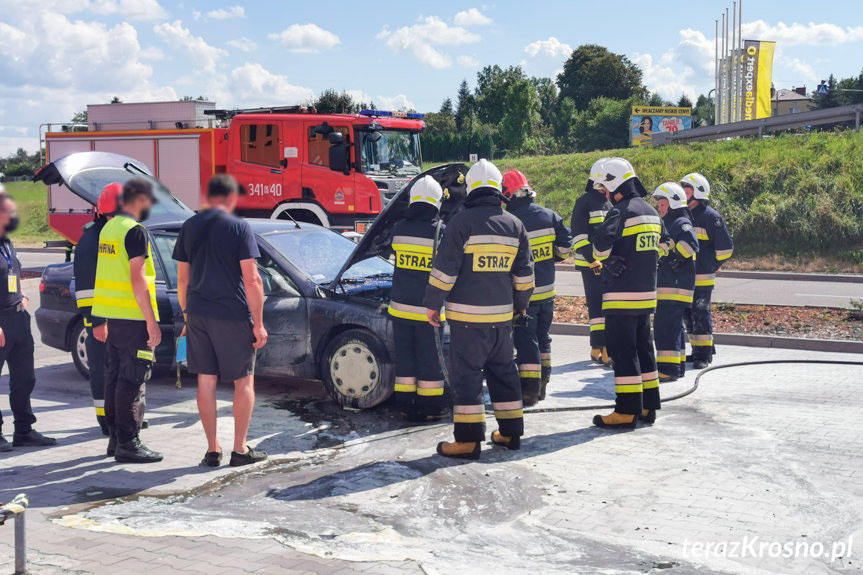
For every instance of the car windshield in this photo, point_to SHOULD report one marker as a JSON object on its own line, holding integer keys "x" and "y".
{"x": 321, "y": 254}
{"x": 91, "y": 181}
{"x": 396, "y": 153}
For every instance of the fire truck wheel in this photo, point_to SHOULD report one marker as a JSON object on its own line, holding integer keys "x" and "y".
{"x": 79, "y": 349}
{"x": 356, "y": 370}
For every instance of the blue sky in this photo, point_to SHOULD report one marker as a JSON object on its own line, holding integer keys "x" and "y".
{"x": 56, "y": 56}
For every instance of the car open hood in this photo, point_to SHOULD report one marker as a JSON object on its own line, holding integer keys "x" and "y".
{"x": 86, "y": 173}
{"x": 377, "y": 240}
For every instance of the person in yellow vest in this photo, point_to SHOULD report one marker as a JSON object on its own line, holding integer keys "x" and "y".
{"x": 125, "y": 295}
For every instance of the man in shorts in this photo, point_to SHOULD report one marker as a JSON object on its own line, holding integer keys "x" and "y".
{"x": 222, "y": 299}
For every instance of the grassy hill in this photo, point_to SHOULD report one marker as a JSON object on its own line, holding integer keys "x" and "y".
{"x": 790, "y": 196}
{"x": 32, "y": 200}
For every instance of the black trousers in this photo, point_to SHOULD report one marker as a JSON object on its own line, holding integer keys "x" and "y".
{"x": 419, "y": 377}
{"x": 533, "y": 345}
{"x": 127, "y": 370}
{"x": 18, "y": 355}
{"x": 475, "y": 350}
{"x": 96, "y": 351}
{"x": 593, "y": 290}
{"x": 699, "y": 324}
{"x": 636, "y": 381}
{"x": 668, "y": 335}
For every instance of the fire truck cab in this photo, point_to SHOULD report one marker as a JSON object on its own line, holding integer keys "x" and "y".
{"x": 336, "y": 170}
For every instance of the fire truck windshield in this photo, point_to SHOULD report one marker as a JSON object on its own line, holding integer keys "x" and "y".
{"x": 396, "y": 153}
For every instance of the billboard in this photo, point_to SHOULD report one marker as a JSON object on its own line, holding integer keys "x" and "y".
{"x": 648, "y": 120}
{"x": 757, "y": 79}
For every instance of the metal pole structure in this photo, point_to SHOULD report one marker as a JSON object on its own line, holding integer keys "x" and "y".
{"x": 727, "y": 103}
{"x": 716, "y": 73}
{"x": 741, "y": 71}
{"x": 20, "y": 544}
{"x": 722, "y": 87}
{"x": 734, "y": 104}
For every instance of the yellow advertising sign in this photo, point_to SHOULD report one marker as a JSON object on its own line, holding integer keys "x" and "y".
{"x": 661, "y": 111}
{"x": 757, "y": 79}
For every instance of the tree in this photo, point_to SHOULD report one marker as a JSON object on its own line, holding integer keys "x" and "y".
{"x": 564, "y": 123}
{"x": 332, "y": 102}
{"x": 604, "y": 125}
{"x": 703, "y": 113}
{"x": 464, "y": 106}
{"x": 832, "y": 98}
{"x": 546, "y": 91}
{"x": 684, "y": 102}
{"x": 191, "y": 99}
{"x": 593, "y": 71}
{"x": 446, "y": 108}
{"x": 493, "y": 84}
{"x": 655, "y": 100}
{"x": 116, "y": 100}
{"x": 521, "y": 118}
{"x": 79, "y": 117}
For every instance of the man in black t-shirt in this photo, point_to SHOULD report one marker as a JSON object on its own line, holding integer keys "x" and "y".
{"x": 222, "y": 299}
{"x": 16, "y": 338}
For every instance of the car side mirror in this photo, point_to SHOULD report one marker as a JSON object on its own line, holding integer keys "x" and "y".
{"x": 373, "y": 137}
{"x": 340, "y": 158}
{"x": 336, "y": 138}
{"x": 283, "y": 162}
{"x": 283, "y": 288}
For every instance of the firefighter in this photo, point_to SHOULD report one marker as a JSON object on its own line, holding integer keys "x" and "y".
{"x": 550, "y": 242}
{"x": 626, "y": 243}
{"x": 716, "y": 248}
{"x": 484, "y": 271}
{"x": 125, "y": 295}
{"x": 675, "y": 280}
{"x": 587, "y": 214}
{"x": 419, "y": 377}
{"x": 86, "y": 255}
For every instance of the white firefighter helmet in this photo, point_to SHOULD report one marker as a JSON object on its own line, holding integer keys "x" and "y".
{"x": 673, "y": 192}
{"x": 427, "y": 190}
{"x": 699, "y": 185}
{"x": 483, "y": 174}
{"x": 612, "y": 173}
{"x": 596, "y": 168}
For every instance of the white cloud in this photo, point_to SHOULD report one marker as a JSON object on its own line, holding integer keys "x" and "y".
{"x": 471, "y": 17}
{"x": 243, "y": 44}
{"x": 399, "y": 102}
{"x": 128, "y": 9}
{"x": 664, "y": 80}
{"x": 227, "y": 13}
{"x": 196, "y": 48}
{"x": 419, "y": 40}
{"x": 552, "y": 47}
{"x": 806, "y": 71}
{"x": 796, "y": 34}
{"x": 306, "y": 39}
{"x": 359, "y": 97}
{"x": 468, "y": 62}
{"x": 254, "y": 85}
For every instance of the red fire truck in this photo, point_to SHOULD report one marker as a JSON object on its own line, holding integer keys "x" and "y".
{"x": 337, "y": 170}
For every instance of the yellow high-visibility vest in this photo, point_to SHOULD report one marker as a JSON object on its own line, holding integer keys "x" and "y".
{"x": 113, "y": 297}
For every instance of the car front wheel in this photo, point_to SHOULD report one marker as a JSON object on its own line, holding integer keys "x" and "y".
{"x": 79, "y": 349}
{"x": 356, "y": 370}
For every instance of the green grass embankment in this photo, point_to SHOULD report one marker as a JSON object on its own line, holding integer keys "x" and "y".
{"x": 32, "y": 200}
{"x": 796, "y": 197}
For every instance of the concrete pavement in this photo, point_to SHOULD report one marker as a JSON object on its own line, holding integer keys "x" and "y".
{"x": 755, "y": 292}
{"x": 767, "y": 453}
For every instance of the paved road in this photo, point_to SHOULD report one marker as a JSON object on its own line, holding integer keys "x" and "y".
{"x": 37, "y": 260}
{"x": 759, "y": 292}
{"x": 768, "y": 452}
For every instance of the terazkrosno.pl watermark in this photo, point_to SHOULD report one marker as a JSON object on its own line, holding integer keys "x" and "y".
{"x": 757, "y": 548}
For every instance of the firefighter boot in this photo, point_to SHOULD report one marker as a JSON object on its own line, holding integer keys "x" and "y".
{"x": 112, "y": 442}
{"x": 606, "y": 360}
{"x": 103, "y": 425}
{"x": 596, "y": 355}
{"x": 665, "y": 378}
{"x": 546, "y": 377}
{"x": 648, "y": 416}
{"x": 616, "y": 421}
{"x": 136, "y": 452}
{"x": 512, "y": 443}
{"x": 459, "y": 450}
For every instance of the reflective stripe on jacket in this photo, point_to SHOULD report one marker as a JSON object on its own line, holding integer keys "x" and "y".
{"x": 413, "y": 244}
{"x": 550, "y": 242}
{"x": 587, "y": 215}
{"x": 715, "y": 241}
{"x": 675, "y": 286}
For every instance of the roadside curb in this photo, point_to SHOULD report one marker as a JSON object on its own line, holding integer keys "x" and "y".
{"x": 746, "y": 340}
{"x": 762, "y": 275}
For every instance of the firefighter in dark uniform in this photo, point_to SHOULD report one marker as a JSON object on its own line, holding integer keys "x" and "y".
{"x": 587, "y": 215}
{"x": 716, "y": 247}
{"x": 627, "y": 244}
{"x": 419, "y": 378}
{"x": 550, "y": 242}
{"x": 484, "y": 271}
{"x": 86, "y": 256}
{"x": 16, "y": 338}
{"x": 675, "y": 280}
{"x": 125, "y": 294}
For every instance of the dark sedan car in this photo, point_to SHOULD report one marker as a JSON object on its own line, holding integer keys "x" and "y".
{"x": 326, "y": 297}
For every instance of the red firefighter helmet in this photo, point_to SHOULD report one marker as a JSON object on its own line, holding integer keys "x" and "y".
{"x": 514, "y": 181}
{"x": 110, "y": 200}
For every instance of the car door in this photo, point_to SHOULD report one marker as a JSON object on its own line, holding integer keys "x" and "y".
{"x": 288, "y": 351}
{"x": 258, "y": 163}
{"x": 170, "y": 316}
